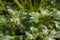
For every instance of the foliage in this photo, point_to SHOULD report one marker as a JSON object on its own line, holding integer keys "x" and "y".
{"x": 36, "y": 19}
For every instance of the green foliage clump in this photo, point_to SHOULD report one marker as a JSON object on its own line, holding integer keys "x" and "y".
{"x": 29, "y": 20}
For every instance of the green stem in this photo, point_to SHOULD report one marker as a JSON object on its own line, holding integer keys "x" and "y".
{"x": 18, "y": 4}
{"x": 31, "y": 8}
{"x": 35, "y": 5}
{"x": 1, "y": 3}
